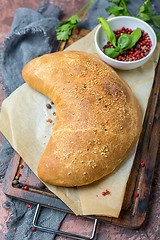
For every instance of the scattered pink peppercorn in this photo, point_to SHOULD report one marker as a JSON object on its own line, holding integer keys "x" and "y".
{"x": 29, "y": 205}
{"x": 25, "y": 187}
{"x": 52, "y": 102}
{"x": 33, "y": 229}
{"x": 21, "y": 165}
{"x": 103, "y": 193}
{"x": 49, "y": 120}
{"x": 15, "y": 229}
{"x": 136, "y": 194}
{"x": 142, "y": 164}
{"x": 18, "y": 174}
{"x": 107, "y": 192}
{"x": 96, "y": 195}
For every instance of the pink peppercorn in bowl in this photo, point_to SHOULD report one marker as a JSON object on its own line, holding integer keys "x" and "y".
{"x": 124, "y": 24}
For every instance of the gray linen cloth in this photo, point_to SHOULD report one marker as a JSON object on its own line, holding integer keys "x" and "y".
{"x": 32, "y": 35}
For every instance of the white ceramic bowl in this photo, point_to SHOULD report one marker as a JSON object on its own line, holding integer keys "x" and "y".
{"x": 117, "y": 23}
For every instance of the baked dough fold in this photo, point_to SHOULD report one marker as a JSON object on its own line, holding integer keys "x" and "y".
{"x": 98, "y": 118}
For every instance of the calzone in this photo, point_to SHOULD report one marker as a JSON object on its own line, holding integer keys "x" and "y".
{"x": 98, "y": 118}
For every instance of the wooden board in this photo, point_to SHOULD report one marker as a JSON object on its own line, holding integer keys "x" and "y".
{"x": 134, "y": 208}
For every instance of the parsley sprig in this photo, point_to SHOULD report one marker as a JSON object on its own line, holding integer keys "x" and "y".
{"x": 119, "y": 9}
{"x": 145, "y": 14}
{"x": 64, "y": 30}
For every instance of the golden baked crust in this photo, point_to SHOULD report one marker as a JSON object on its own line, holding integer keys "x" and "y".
{"x": 98, "y": 118}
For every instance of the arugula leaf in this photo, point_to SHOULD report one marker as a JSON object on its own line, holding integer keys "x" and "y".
{"x": 110, "y": 35}
{"x": 112, "y": 52}
{"x": 156, "y": 20}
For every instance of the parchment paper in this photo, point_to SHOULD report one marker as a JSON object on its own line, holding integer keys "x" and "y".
{"x": 23, "y": 122}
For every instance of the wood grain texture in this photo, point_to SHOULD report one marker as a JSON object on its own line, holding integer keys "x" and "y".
{"x": 151, "y": 227}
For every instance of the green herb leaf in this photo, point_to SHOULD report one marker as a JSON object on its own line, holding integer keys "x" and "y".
{"x": 74, "y": 19}
{"x": 144, "y": 12}
{"x": 112, "y": 52}
{"x": 123, "y": 5}
{"x": 63, "y": 35}
{"x": 115, "y": 10}
{"x": 64, "y": 27}
{"x": 156, "y": 20}
{"x": 145, "y": 8}
{"x": 64, "y": 30}
{"x": 144, "y": 16}
{"x": 118, "y": 10}
{"x": 153, "y": 11}
{"x": 61, "y": 24}
{"x": 135, "y": 36}
{"x": 110, "y": 35}
{"x": 124, "y": 41}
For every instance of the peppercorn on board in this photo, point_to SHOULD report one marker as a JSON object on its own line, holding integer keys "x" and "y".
{"x": 135, "y": 204}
